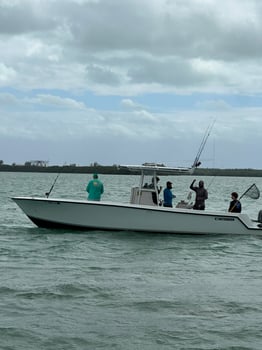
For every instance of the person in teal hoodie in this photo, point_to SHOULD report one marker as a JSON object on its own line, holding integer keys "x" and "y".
{"x": 95, "y": 189}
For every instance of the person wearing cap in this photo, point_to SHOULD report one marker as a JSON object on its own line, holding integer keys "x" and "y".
{"x": 168, "y": 195}
{"x": 201, "y": 195}
{"x": 95, "y": 189}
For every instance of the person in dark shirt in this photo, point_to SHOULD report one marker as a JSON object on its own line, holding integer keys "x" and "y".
{"x": 154, "y": 185}
{"x": 201, "y": 195}
{"x": 235, "y": 205}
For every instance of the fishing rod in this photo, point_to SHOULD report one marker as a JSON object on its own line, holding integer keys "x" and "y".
{"x": 210, "y": 182}
{"x": 48, "y": 193}
{"x": 200, "y": 150}
{"x": 202, "y": 145}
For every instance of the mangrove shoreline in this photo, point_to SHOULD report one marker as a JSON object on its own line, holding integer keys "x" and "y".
{"x": 117, "y": 170}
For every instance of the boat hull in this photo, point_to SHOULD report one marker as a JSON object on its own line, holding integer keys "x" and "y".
{"x": 107, "y": 216}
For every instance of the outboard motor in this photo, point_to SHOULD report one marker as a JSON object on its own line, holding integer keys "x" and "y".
{"x": 259, "y": 217}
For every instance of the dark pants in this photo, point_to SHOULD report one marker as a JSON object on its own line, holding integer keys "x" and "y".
{"x": 168, "y": 205}
{"x": 199, "y": 206}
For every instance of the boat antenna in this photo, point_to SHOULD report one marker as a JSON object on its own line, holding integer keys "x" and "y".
{"x": 51, "y": 189}
{"x": 202, "y": 145}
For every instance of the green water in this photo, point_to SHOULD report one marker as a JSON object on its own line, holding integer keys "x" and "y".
{"x": 97, "y": 290}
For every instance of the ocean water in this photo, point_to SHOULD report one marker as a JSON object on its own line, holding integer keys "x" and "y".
{"x": 61, "y": 289}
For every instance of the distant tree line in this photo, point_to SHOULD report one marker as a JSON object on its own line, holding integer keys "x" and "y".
{"x": 115, "y": 169}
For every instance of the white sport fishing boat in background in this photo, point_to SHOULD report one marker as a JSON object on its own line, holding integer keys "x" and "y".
{"x": 144, "y": 213}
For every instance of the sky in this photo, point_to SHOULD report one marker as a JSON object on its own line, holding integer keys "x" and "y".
{"x": 131, "y": 81}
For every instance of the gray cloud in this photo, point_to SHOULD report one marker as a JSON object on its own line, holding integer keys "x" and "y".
{"x": 102, "y": 75}
{"x": 27, "y": 16}
{"x": 131, "y": 43}
{"x": 55, "y": 55}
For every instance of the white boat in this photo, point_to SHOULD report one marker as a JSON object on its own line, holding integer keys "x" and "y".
{"x": 142, "y": 214}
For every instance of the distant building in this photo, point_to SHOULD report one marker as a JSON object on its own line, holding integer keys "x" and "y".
{"x": 40, "y": 163}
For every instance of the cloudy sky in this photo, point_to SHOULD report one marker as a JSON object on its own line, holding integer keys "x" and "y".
{"x": 131, "y": 81}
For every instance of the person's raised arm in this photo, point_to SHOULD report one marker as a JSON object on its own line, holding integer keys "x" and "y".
{"x": 192, "y": 185}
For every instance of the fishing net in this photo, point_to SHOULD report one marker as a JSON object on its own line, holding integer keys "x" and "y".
{"x": 252, "y": 192}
